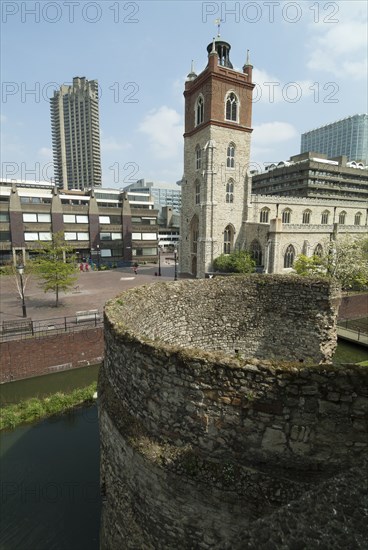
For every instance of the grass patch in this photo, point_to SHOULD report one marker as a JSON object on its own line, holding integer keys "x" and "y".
{"x": 35, "y": 409}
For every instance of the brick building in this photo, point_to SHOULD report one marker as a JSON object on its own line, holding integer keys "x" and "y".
{"x": 107, "y": 225}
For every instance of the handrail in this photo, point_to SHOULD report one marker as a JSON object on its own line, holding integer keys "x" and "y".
{"x": 52, "y": 326}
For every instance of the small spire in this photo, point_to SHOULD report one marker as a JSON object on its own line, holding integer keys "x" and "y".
{"x": 248, "y": 58}
{"x": 192, "y": 75}
{"x": 213, "y": 46}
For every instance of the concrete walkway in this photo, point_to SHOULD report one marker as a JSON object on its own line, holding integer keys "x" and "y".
{"x": 353, "y": 336}
{"x": 92, "y": 290}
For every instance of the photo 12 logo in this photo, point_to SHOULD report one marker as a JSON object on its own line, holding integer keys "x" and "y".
{"x": 70, "y": 12}
{"x": 253, "y": 12}
{"x": 35, "y": 92}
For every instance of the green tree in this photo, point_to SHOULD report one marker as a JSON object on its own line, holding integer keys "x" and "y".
{"x": 56, "y": 265}
{"x": 239, "y": 261}
{"x": 305, "y": 265}
{"x": 345, "y": 260}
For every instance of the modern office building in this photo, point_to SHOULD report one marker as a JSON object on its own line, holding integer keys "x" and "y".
{"x": 107, "y": 225}
{"x": 348, "y": 136}
{"x": 163, "y": 194}
{"x": 314, "y": 175}
{"x": 76, "y": 135}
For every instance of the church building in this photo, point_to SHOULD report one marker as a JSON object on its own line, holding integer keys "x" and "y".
{"x": 219, "y": 214}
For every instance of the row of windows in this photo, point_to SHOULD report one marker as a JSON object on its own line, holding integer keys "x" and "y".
{"x": 306, "y": 217}
{"x": 256, "y": 249}
{"x": 231, "y": 108}
{"x": 144, "y": 236}
{"x": 289, "y": 255}
{"x": 84, "y": 236}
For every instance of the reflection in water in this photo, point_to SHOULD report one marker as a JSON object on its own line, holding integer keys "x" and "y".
{"x": 40, "y": 386}
{"x": 50, "y": 484}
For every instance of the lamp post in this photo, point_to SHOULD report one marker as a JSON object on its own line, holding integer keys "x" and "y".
{"x": 175, "y": 265}
{"x": 20, "y": 269}
{"x": 159, "y": 261}
{"x": 98, "y": 257}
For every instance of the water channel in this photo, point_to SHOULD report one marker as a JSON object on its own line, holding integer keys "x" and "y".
{"x": 50, "y": 470}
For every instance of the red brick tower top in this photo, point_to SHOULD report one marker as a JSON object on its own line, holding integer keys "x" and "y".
{"x": 208, "y": 98}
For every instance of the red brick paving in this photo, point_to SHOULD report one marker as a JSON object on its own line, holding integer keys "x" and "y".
{"x": 92, "y": 291}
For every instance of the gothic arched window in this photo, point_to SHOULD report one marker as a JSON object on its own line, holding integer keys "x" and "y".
{"x": 318, "y": 251}
{"x": 230, "y": 156}
{"x": 230, "y": 191}
{"x": 228, "y": 239}
{"x": 306, "y": 216}
{"x": 342, "y": 218}
{"x": 286, "y": 215}
{"x": 232, "y": 107}
{"x": 324, "y": 217}
{"x": 289, "y": 256}
{"x": 198, "y": 157}
{"x": 256, "y": 251}
{"x": 197, "y": 192}
{"x": 264, "y": 214}
{"x": 194, "y": 232}
{"x": 357, "y": 218}
{"x": 199, "y": 110}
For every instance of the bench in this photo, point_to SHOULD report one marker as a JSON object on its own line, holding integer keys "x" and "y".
{"x": 89, "y": 315}
{"x": 24, "y": 325}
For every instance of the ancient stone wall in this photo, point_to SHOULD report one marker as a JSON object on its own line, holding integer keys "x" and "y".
{"x": 197, "y": 438}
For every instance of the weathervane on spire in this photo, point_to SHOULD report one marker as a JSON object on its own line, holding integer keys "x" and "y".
{"x": 218, "y": 23}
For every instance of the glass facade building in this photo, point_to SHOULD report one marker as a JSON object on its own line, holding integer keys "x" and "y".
{"x": 348, "y": 136}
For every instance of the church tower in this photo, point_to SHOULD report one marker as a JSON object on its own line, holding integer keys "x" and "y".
{"x": 218, "y": 115}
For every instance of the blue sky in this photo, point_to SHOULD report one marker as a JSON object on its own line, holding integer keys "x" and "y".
{"x": 309, "y": 60}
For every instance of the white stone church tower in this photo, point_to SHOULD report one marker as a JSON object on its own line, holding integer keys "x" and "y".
{"x": 218, "y": 115}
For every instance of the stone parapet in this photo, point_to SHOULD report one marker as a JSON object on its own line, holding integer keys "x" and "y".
{"x": 201, "y": 434}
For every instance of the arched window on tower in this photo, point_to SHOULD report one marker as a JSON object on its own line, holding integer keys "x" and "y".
{"x": 230, "y": 157}
{"x": 256, "y": 252}
{"x": 289, "y": 256}
{"x": 197, "y": 191}
{"x": 198, "y": 157}
{"x": 199, "y": 110}
{"x": 231, "y": 107}
{"x": 230, "y": 191}
{"x": 194, "y": 232}
{"x": 228, "y": 239}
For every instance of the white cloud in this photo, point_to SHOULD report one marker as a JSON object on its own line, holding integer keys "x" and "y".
{"x": 164, "y": 129}
{"x": 340, "y": 48}
{"x": 45, "y": 153}
{"x": 269, "y": 133}
{"x": 270, "y": 89}
{"x": 112, "y": 144}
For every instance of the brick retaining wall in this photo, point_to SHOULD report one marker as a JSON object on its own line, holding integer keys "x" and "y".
{"x": 353, "y": 307}
{"x": 37, "y": 356}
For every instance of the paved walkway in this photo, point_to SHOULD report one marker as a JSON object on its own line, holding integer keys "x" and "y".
{"x": 92, "y": 290}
